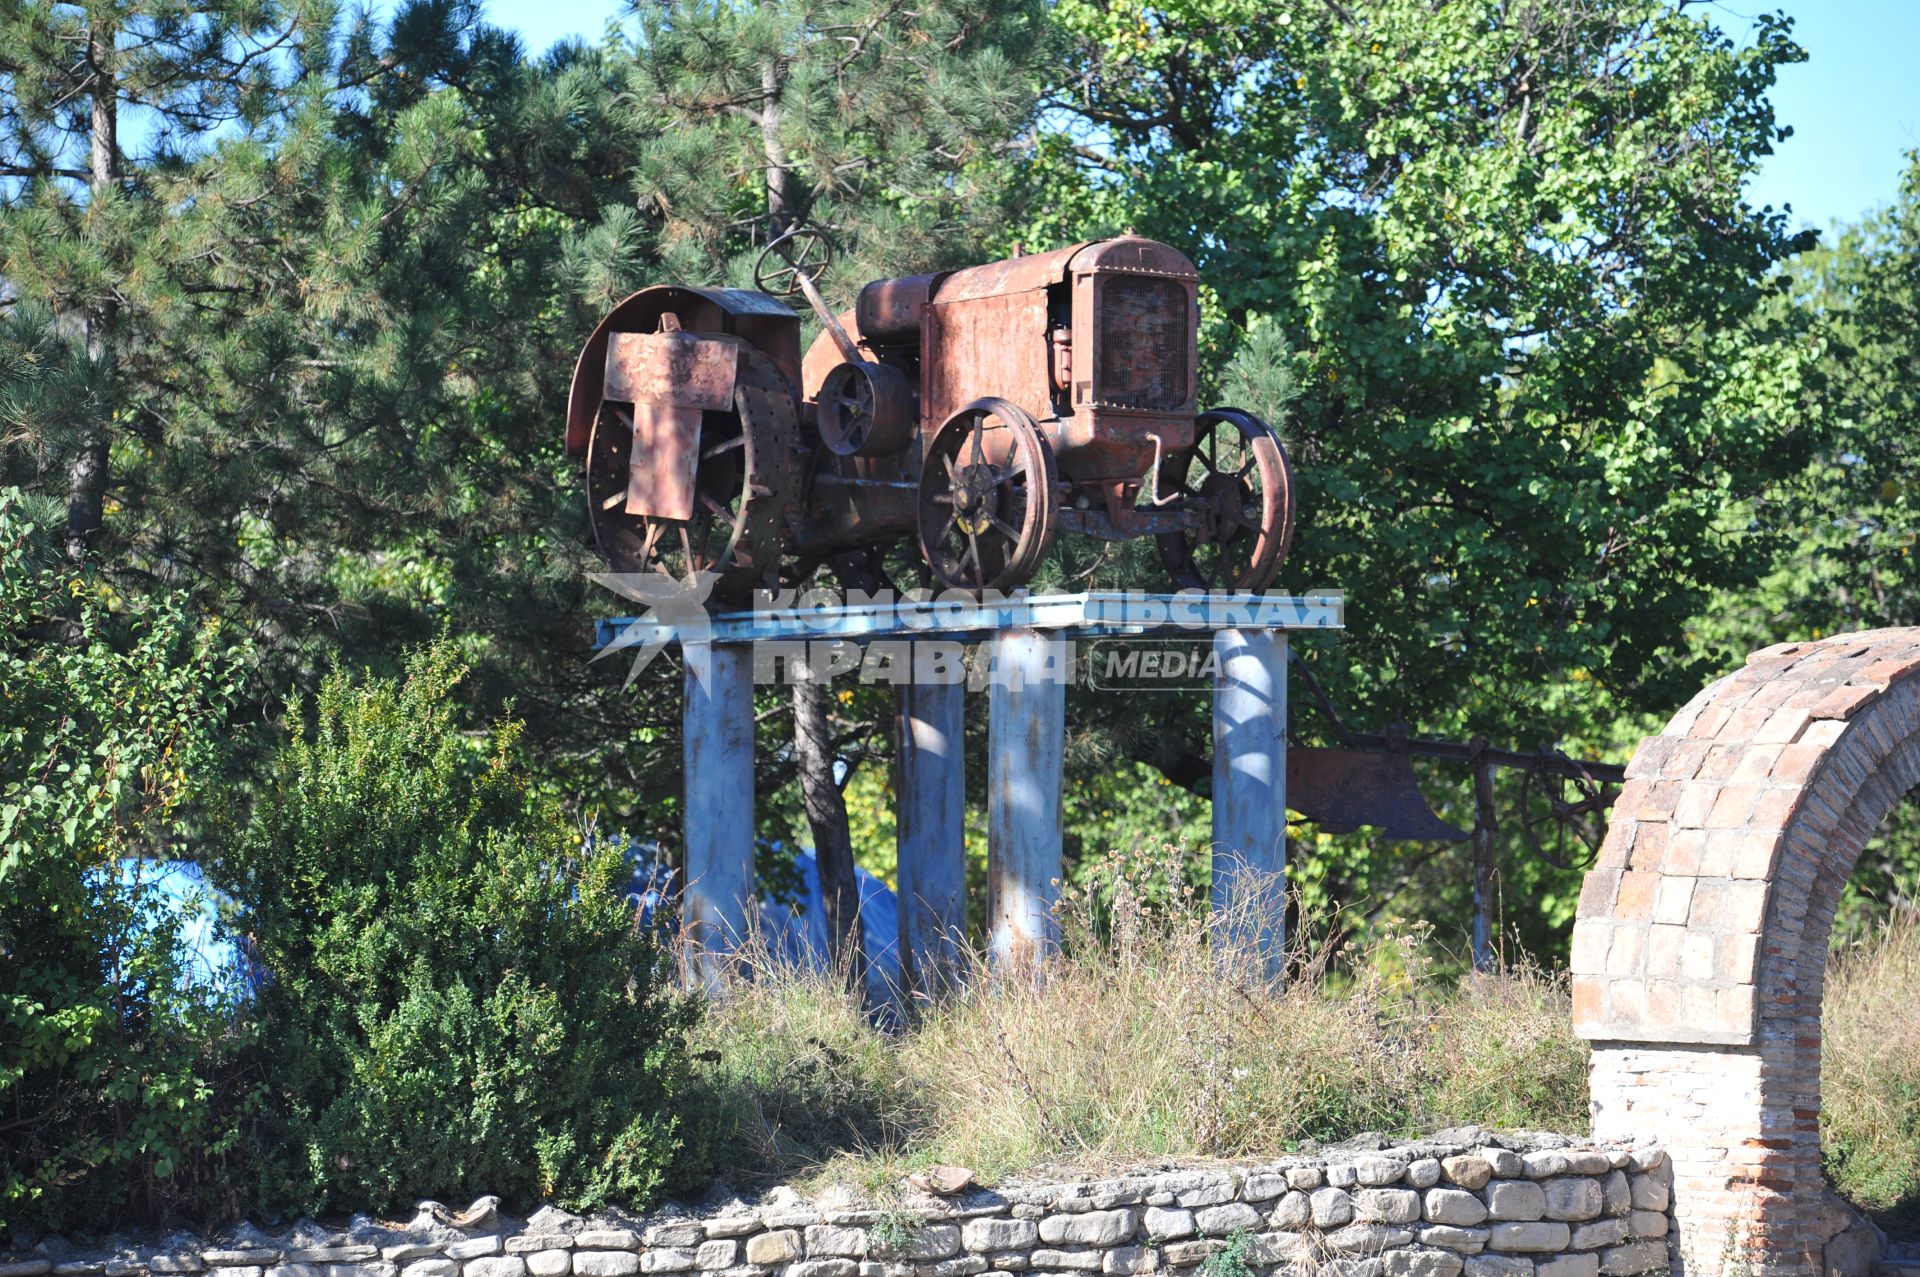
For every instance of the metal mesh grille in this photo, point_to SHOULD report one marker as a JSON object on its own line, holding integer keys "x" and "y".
{"x": 1144, "y": 342}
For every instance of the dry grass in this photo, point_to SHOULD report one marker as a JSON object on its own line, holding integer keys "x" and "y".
{"x": 1870, "y": 1073}
{"x": 1154, "y": 1035}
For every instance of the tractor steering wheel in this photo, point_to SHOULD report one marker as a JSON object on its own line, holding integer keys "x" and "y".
{"x": 802, "y": 251}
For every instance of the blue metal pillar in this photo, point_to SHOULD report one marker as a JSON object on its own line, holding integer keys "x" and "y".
{"x": 931, "y": 820}
{"x": 1250, "y": 791}
{"x": 1026, "y": 721}
{"x": 718, "y": 812}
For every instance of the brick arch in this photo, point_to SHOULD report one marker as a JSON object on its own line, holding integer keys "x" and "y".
{"x": 1699, "y": 953}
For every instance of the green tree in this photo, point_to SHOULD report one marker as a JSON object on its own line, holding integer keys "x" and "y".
{"x": 1851, "y": 518}
{"x": 456, "y": 998}
{"x": 1502, "y": 250}
{"x": 111, "y": 1050}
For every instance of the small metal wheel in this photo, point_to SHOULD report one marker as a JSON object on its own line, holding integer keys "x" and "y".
{"x": 1236, "y": 477}
{"x": 739, "y": 481}
{"x": 1563, "y": 815}
{"x": 987, "y": 504}
{"x": 801, "y": 251}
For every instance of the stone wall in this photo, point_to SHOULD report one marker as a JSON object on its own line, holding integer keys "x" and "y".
{"x": 1465, "y": 1203}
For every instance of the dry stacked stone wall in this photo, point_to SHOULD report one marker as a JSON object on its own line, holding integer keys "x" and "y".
{"x": 1482, "y": 1206}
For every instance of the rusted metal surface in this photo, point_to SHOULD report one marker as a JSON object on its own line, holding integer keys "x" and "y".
{"x": 977, "y": 346}
{"x": 1250, "y": 791}
{"x": 1094, "y": 343}
{"x": 890, "y": 310}
{"x": 760, "y": 321}
{"x": 746, "y": 487}
{"x": 680, "y": 368}
{"x": 1133, "y": 255}
{"x": 1035, "y": 271}
{"x": 662, "y": 459}
{"x": 1342, "y": 789}
{"x": 1026, "y": 719}
{"x": 865, "y": 409}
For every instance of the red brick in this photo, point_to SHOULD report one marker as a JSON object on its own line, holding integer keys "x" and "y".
{"x": 1755, "y": 855}
{"x": 1658, "y": 803}
{"x": 1738, "y": 958}
{"x": 1663, "y": 951}
{"x": 1844, "y": 701}
{"x": 1589, "y": 1001}
{"x": 1721, "y": 761}
{"x": 1755, "y": 763}
{"x": 1651, "y": 756}
{"x": 1623, "y": 955}
{"x": 1635, "y": 897}
{"x": 1684, "y": 762}
{"x": 1777, "y": 654}
{"x": 1744, "y": 724}
{"x": 1734, "y": 1010}
{"x": 1774, "y": 808}
{"x": 1696, "y": 804}
{"x": 1746, "y": 906}
{"x": 1684, "y": 849}
{"x": 1649, "y": 846}
{"x": 1670, "y": 900}
{"x": 1596, "y": 893}
{"x": 1796, "y": 763}
{"x": 1591, "y": 939}
{"x": 1733, "y": 806}
{"x": 1618, "y": 842}
{"x": 1717, "y": 860}
{"x": 1627, "y": 1002}
{"x": 1707, "y": 726}
{"x": 1888, "y": 672}
{"x": 1783, "y": 726}
{"x": 1664, "y": 1013}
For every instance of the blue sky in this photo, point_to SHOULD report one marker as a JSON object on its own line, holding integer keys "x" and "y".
{"x": 1855, "y": 106}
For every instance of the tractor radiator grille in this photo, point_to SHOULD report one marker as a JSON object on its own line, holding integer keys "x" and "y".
{"x": 1145, "y": 340}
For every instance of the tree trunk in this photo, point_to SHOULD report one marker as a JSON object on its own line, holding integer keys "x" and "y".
{"x": 783, "y": 207}
{"x": 820, "y": 794}
{"x": 87, "y": 475}
{"x": 826, "y": 811}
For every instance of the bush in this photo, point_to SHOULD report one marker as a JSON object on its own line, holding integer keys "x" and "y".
{"x": 456, "y": 999}
{"x": 110, "y": 1049}
{"x": 1870, "y": 1073}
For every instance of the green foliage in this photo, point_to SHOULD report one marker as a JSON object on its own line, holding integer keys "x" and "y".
{"x": 457, "y": 1000}
{"x": 1233, "y": 1259}
{"x": 110, "y": 723}
{"x": 1491, "y": 264}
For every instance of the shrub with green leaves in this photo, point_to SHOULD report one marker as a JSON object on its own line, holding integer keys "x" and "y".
{"x": 110, "y": 715}
{"x": 455, "y": 997}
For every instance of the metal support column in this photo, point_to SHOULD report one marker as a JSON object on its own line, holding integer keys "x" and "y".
{"x": 1250, "y": 790}
{"x": 1026, "y": 721}
{"x": 718, "y": 808}
{"x": 931, "y": 836}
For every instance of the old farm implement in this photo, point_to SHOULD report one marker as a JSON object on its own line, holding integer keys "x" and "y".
{"x": 974, "y": 413}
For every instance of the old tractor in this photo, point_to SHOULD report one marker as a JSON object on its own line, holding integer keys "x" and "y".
{"x": 977, "y": 412}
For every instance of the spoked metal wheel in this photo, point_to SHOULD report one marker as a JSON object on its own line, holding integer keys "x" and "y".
{"x": 987, "y": 504}
{"x": 744, "y": 467}
{"x": 1237, "y": 478}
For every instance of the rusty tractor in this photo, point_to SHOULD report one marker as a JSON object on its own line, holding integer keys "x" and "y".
{"x": 978, "y": 412}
